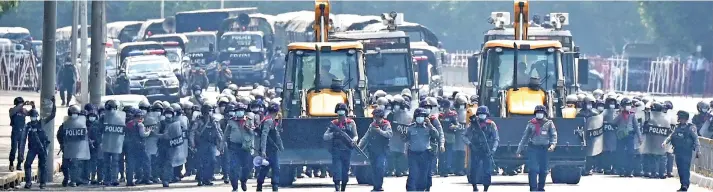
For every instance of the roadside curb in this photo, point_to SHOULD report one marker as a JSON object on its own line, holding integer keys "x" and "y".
{"x": 698, "y": 179}
{"x": 10, "y": 180}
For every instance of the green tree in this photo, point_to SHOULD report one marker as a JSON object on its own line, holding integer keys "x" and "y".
{"x": 679, "y": 26}
{"x": 7, "y": 5}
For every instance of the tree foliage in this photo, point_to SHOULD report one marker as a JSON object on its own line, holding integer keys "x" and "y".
{"x": 679, "y": 26}
{"x": 599, "y": 27}
{"x": 7, "y": 5}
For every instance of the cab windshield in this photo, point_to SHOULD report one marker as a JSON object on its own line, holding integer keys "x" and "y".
{"x": 147, "y": 66}
{"x": 240, "y": 42}
{"x": 415, "y": 36}
{"x": 333, "y": 65}
{"x": 391, "y": 70}
{"x": 533, "y": 65}
{"x": 199, "y": 43}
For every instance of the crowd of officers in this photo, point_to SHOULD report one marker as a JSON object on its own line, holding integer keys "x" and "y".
{"x": 162, "y": 142}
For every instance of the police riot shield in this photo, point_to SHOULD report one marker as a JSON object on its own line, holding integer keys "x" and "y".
{"x": 707, "y": 129}
{"x": 399, "y": 121}
{"x": 654, "y": 133}
{"x": 594, "y": 134}
{"x": 114, "y": 127}
{"x": 183, "y": 149}
{"x": 76, "y": 143}
{"x": 458, "y": 143}
{"x": 609, "y": 136}
{"x": 174, "y": 134}
{"x": 151, "y": 122}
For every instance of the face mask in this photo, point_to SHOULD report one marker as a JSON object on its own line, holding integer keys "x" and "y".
{"x": 482, "y": 116}
{"x": 240, "y": 113}
{"x": 162, "y": 118}
{"x": 420, "y": 119}
{"x": 92, "y": 118}
{"x": 75, "y": 115}
{"x": 612, "y": 106}
{"x": 540, "y": 115}
{"x": 33, "y": 118}
{"x": 341, "y": 112}
{"x": 589, "y": 106}
{"x": 627, "y": 108}
{"x": 168, "y": 116}
{"x": 600, "y": 108}
{"x": 397, "y": 107}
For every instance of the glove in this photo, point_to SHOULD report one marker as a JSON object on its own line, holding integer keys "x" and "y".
{"x": 551, "y": 148}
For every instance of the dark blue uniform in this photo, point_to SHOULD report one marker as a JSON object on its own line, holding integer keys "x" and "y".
{"x": 94, "y": 166}
{"x": 685, "y": 142}
{"x": 376, "y": 141}
{"x": 68, "y": 78}
{"x": 18, "y": 135}
{"x": 482, "y": 137}
{"x": 37, "y": 145}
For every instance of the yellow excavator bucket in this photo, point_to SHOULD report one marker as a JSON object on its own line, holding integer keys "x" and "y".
{"x": 321, "y": 103}
{"x": 523, "y": 100}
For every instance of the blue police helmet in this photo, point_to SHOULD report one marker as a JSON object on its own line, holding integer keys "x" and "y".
{"x": 89, "y": 107}
{"x": 73, "y": 110}
{"x": 682, "y": 115}
{"x": 34, "y": 113}
{"x": 138, "y": 113}
{"x": 423, "y": 103}
{"x": 18, "y": 100}
{"x": 196, "y": 88}
{"x": 111, "y": 104}
{"x": 668, "y": 105}
{"x": 657, "y": 106}
{"x": 541, "y": 108}
{"x": 241, "y": 106}
{"x": 482, "y": 110}
{"x": 378, "y": 113}
{"x": 420, "y": 112}
{"x": 341, "y": 106}
{"x": 422, "y": 97}
{"x": 230, "y": 107}
{"x": 273, "y": 108}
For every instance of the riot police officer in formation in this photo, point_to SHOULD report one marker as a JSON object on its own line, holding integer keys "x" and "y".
{"x": 482, "y": 137}
{"x": 685, "y": 142}
{"x": 399, "y": 119}
{"x": 628, "y": 133}
{"x": 270, "y": 146}
{"x": 206, "y": 138}
{"x": 376, "y": 141}
{"x": 423, "y": 141}
{"x": 342, "y": 135}
{"x": 540, "y": 136}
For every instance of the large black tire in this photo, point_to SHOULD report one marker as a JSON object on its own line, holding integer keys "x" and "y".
{"x": 362, "y": 174}
{"x": 287, "y": 175}
{"x": 566, "y": 174}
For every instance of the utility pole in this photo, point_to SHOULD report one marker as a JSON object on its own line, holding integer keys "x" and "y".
{"x": 162, "y": 6}
{"x": 48, "y": 80}
{"x": 84, "y": 71}
{"x": 73, "y": 37}
{"x": 222, "y": 4}
{"x": 97, "y": 70}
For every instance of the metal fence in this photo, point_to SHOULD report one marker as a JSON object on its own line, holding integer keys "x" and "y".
{"x": 704, "y": 164}
{"x": 18, "y": 70}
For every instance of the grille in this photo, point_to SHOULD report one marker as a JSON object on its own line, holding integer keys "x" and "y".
{"x": 153, "y": 83}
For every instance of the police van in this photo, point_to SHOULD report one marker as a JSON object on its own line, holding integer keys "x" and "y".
{"x": 145, "y": 70}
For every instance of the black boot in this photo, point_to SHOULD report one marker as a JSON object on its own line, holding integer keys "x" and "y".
{"x": 28, "y": 185}
{"x": 336, "y": 187}
{"x": 485, "y": 188}
{"x": 19, "y": 168}
{"x": 244, "y": 185}
{"x": 344, "y": 186}
{"x": 12, "y": 166}
{"x": 42, "y": 185}
{"x": 259, "y": 187}
{"x": 475, "y": 188}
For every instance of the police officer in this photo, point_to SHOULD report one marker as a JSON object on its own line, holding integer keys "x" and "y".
{"x": 197, "y": 97}
{"x": 135, "y": 154}
{"x": 114, "y": 123}
{"x": 207, "y": 138}
{"x": 93, "y": 167}
{"x": 240, "y": 136}
{"x": 17, "y": 120}
{"x": 609, "y": 136}
{"x": 122, "y": 85}
{"x": 74, "y": 142}
{"x": 68, "y": 78}
{"x": 482, "y": 139}
{"x": 224, "y": 77}
{"x": 399, "y": 119}
{"x": 152, "y": 123}
{"x": 655, "y": 130}
{"x": 685, "y": 141}
{"x": 458, "y": 148}
{"x": 598, "y": 94}
{"x": 190, "y": 112}
{"x": 422, "y": 140}
{"x": 431, "y": 106}
{"x": 37, "y": 146}
{"x": 129, "y": 112}
{"x": 342, "y": 134}
{"x": 199, "y": 78}
{"x": 376, "y": 141}
{"x": 587, "y": 111}
{"x": 270, "y": 145}
{"x": 183, "y": 148}
{"x": 540, "y": 136}
{"x": 702, "y": 115}
{"x": 170, "y": 141}
{"x": 628, "y": 132}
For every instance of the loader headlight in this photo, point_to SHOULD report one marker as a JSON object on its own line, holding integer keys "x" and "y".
{"x": 550, "y": 50}
{"x": 499, "y": 50}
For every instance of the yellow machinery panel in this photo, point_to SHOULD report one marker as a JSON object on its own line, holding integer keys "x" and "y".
{"x": 472, "y": 108}
{"x": 321, "y": 103}
{"x": 569, "y": 112}
{"x": 524, "y": 100}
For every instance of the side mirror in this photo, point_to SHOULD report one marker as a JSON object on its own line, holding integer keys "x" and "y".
{"x": 576, "y": 49}
{"x": 583, "y": 71}
{"x": 576, "y": 55}
{"x": 423, "y": 73}
{"x": 473, "y": 68}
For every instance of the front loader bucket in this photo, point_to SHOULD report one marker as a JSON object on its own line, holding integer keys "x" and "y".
{"x": 304, "y": 143}
{"x": 570, "y": 143}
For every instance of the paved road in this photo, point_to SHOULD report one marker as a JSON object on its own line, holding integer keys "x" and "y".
{"x": 501, "y": 183}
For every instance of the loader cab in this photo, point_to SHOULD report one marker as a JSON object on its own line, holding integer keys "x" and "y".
{"x": 320, "y": 75}
{"x": 517, "y": 75}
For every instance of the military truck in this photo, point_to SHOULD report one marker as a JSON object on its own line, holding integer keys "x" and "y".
{"x": 245, "y": 55}
{"x": 514, "y": 76}
{"x": 260, "y": 30}
{"x": 207, "y": 19}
